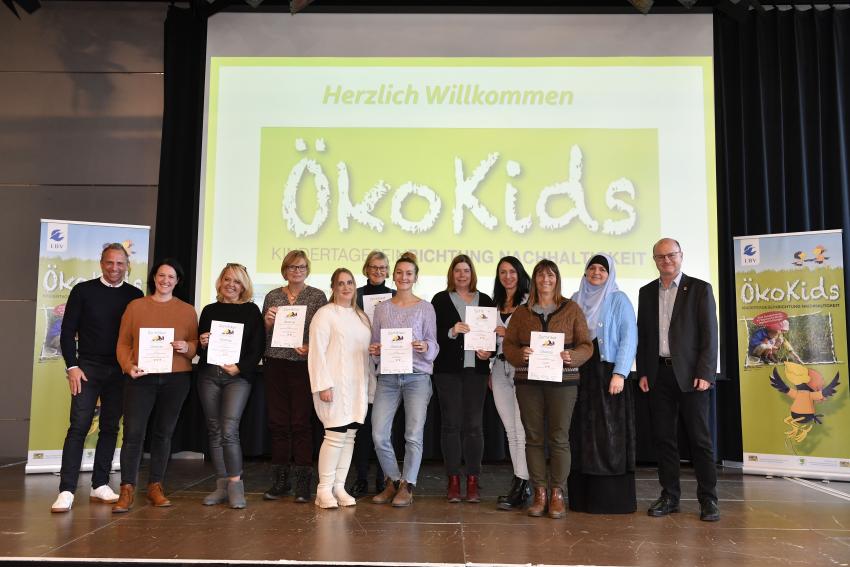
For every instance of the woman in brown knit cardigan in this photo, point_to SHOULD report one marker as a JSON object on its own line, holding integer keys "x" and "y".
{"x": 549, "y": 403}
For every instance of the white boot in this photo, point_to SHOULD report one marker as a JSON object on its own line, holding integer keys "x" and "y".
{"x": 328, "y": 458}
{"x": 343, "y": 497}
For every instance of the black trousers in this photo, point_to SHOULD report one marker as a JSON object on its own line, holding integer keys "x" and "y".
{"x": 364, "y": 448}
{"x": 461, "y": 396}
{"x": 158, "y": 397}
{"x": 104, "y": 381}
{"x": 667, "y": 402}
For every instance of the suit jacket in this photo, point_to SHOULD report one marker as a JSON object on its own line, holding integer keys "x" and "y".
{"x": 693, "y": 332}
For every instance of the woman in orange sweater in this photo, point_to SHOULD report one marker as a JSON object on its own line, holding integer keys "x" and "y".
{"x": 144, "y": 391}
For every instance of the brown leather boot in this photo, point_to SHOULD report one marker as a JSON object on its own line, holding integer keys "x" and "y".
{"x": 156, "y": 496}
{"x": 386, "y": 496}
{"x": 125, "y": 499}
{"x": 472, "y": 495}
{"x": 556, "y": 504}
{"x": 404, "y": 496}
{"x": 538, "y": 506}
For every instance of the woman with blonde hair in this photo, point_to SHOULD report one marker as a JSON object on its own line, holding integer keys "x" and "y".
{"x": 224, "y": 389}
{"x": 546, "y": 408}
{"x": 287, "y": 383}
{"x": 340, "y": 368}
{"x": 405, "y": 310}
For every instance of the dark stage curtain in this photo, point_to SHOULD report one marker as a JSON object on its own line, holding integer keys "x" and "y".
{"x": 177, "y": 204}
{"x": 783, "y": 149}
{"x": 783, "y": 139}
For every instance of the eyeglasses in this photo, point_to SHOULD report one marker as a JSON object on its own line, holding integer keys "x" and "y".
{"x": 301, "y": 268}
{"x": 377, "y": 268}
{"x": 671, "y": 256}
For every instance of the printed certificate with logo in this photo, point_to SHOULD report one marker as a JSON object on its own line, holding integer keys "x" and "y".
{"x": 372, "y": 301}
{"x": 396, "y": 351}
{"x": 482, "y": 328}
{"x": 225, "y": 344}
{"x": 289, "y": 326}
{"x": 155, "y": 350}
{"x": 545, "y": 362}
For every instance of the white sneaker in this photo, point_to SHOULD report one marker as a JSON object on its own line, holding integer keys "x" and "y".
{"x": 103, "y": 494}
{"x": 63, "y": 502}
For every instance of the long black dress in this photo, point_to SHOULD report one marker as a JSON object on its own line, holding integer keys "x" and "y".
{"x": 602, "y": 443}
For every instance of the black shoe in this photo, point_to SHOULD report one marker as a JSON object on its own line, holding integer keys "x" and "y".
{"x": 380, "y": 483}
{"x": 663, "y": 506}
{"x": 358, "y": 488}
{"x": 511, "y": 491}
{"x": 303, "y": 479}
{"x": 708, "y": 511}
{"x": 519, "y": 499}
{"x": 281, "y": 484}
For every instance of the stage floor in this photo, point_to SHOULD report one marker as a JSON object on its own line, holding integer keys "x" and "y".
{"x": 764, "y": 521}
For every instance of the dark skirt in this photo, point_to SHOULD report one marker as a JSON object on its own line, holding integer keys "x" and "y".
{"x": 602, "y": 443}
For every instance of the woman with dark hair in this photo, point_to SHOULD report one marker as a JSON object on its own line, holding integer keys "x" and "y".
{"x": 340, "y": 368}
{"x": 461, "y": 379}
{"x": 510, "y": 290}
{"x": 160, "y": 394}
{"x": 602, "y": 435}
{"x": 546, "y": 408}
{"x": 224, "y": 389}
{"x": 404, "y": 311}
{"x": 288, "y": 396}
{"x": 375, "y": 268}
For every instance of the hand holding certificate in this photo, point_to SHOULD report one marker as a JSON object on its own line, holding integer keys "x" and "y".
{"x": 155, "y": 350}
{"x": 289, "y": 326}
{"x": 225, "y": 344}
{"x": 372, "y": 301}
{"x": 396, "y": 351}
{"x": 545, "y": 362}
{"x": 482, "y": 328}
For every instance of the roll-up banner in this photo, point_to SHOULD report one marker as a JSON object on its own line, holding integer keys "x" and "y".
{"x": 69, "y": 253}
{"x": 792, "y": 351}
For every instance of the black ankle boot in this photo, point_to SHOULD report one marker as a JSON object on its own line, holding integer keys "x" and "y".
{"x": 519, "y": 499}
{"x": 303, "y": 480}
{"x": 511, "y": 492}
{"x": 281, "y": 484}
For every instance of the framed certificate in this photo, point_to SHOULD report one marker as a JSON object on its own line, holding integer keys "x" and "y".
{"x": 155, "y": 350}
{"x": 482, "y": 328}
{"x": 225, "y": 344}
{"x": 396, "y": 351}
{"x": 289, "y": 326}
{"x": 545, "y": 362}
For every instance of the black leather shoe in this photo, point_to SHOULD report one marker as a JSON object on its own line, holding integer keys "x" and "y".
{"x": 359, "y": 488}
{"x": 662, "y": 507}
{"x": 708, "y": 511}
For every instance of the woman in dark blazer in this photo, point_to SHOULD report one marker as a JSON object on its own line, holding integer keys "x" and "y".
{"x": 461, "y": 379}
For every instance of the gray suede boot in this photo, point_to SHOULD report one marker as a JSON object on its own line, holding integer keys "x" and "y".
{"x": 219, "y": 495}
{"x": 236, "y": 494}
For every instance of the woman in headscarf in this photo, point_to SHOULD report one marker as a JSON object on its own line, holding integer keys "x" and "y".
{"x": 602, "y": 434}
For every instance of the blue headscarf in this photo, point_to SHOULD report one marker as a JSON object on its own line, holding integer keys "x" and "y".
{"x": 591, "y": 297}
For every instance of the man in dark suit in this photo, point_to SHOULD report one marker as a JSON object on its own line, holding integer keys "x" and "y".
{"x": 676, "y": 362}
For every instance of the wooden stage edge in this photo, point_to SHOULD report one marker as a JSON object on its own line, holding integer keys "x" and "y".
{"x": 765, "y": 521}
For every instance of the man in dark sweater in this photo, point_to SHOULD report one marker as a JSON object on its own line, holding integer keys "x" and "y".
{"x": 89, "y": 335}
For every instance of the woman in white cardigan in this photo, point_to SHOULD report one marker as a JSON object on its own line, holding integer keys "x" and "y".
{"x": 340, "y": 370}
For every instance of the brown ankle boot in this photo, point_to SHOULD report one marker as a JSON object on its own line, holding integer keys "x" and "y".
{"x": 387, "y": 495}
{"x": 125, "y": 499}
{"x": 472, "y": 489}
{"x": 156, "y": 496}
{"x": 453, "y": 490}
{"x": 404, "y": 496}
{"x": 538, "y": 506}
{"x": 556, "y": 504}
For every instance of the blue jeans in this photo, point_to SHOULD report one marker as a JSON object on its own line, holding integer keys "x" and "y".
{"x": 414, "y": 390}
{"x": 223, "y": 398}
